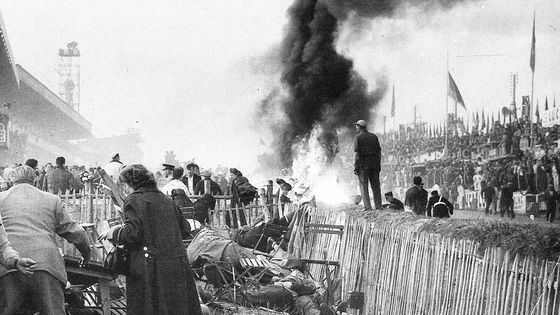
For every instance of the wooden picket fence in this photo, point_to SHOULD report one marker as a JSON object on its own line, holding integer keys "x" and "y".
{"x": 402, "y": 271}
{"x": 93, "y": 209}
{"x": 85, "y": 207}
{"x": 259, "y": 207}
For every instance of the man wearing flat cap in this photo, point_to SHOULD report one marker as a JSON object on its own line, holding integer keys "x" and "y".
{"x": 367, "y": 164}
{"x": 168, "y": 169}
{"x": 206, "y": 183}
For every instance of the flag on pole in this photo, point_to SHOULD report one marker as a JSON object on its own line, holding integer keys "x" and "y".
{"x": 453, "y": 92}
{"x": 533, "y": 42}
{"x": 476, "y": 121}
{"x": 546, "y": 103}
{"x": 393, "y": 103}
{"x": 483, "y": 125}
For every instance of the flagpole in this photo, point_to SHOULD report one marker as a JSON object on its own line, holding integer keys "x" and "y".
{"x": 533, "y": 48}
{"x": 446, "y": 101}
{"x": 384, "y": 127}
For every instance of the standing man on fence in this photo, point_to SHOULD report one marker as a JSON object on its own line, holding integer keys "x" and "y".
{"x": 367, "y": 164}
{"x": 32, "y": 219}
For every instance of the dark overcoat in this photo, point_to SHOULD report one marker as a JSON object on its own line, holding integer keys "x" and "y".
{"x": 160, "y": 280}
{"x": 416, "y": 198}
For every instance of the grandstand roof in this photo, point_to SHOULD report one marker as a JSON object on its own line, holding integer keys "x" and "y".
{"x": 29, "y": 95}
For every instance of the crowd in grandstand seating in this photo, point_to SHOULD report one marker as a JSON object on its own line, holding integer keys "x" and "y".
{"x": 473, "y": 160}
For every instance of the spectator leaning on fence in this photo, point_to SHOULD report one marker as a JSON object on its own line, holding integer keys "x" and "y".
{"x": 32, "y": 219}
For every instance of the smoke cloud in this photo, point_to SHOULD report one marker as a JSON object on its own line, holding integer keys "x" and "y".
{"x": 319, "y": 87}
{"x": 320, "y": 90}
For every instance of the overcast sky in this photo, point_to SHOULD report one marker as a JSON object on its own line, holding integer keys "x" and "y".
{"x": 185, "y": 72}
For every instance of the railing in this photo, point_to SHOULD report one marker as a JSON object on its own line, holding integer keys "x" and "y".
{"x": 402, "y": 271}
{"x": 92, "y": 209}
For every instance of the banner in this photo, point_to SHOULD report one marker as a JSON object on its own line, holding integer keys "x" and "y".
{"x": 551, "y": 117}
{"x": 4, "y": 136}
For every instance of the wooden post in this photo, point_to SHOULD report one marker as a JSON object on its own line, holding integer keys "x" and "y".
{"x": 270, "y": 199}
{"x": 207, "y": 187}
{"x": 104, "y": 296}
{"x": 262, "y": 198}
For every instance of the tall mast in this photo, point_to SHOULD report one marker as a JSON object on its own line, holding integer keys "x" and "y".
{"x": 446, "y": 100}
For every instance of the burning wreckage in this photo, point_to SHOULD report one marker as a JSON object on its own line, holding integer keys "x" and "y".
{"x": 258, "y": 266}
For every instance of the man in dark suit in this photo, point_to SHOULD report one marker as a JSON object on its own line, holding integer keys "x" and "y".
{"x": 416, "y": 197}
{"x": 191, "y": 179}
{"x": 367, "y": 164}
{"x": 59, "y": 179}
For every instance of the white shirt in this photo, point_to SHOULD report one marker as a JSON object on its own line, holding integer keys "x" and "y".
{"x": 174, "y": 184}
{"x": 190, "y": 179}
{"x": 113, "y": 169}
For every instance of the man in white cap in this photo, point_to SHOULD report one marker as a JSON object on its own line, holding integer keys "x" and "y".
{"x": 367, "y": 164}
{"x": 114, "y": 167}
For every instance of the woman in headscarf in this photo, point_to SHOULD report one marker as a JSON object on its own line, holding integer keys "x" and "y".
{"x": 160, "y": 280}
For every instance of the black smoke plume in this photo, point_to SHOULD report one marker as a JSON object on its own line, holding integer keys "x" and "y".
{"x": 320, "y": 88}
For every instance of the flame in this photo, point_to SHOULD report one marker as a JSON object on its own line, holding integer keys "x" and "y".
{"x": 313, "y": 170}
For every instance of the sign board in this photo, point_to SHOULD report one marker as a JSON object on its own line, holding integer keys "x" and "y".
{"x": 4, "y": 135}
{"x": 551, "y": 117}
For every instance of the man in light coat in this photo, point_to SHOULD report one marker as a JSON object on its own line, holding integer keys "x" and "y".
{"x": 114, "y": 167}
{"x": 32, "y": 219}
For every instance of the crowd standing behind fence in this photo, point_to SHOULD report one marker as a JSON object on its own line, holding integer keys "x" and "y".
{"x": 497, "y": 155}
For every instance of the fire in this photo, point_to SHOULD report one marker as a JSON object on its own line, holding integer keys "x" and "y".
{"x": 312, "y": 169}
